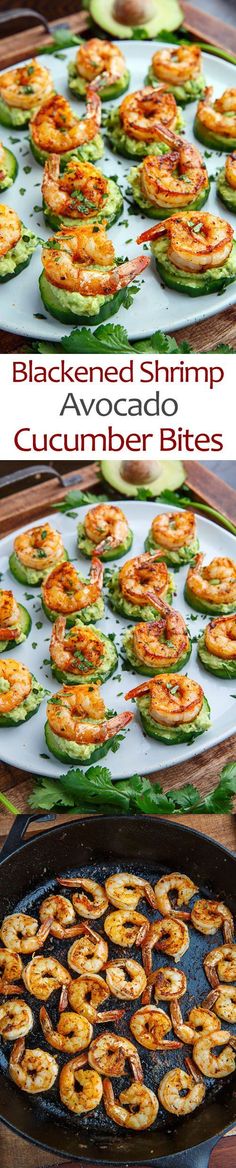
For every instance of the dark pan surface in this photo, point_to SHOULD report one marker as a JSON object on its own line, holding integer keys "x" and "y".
{"x": 97, "y": 848}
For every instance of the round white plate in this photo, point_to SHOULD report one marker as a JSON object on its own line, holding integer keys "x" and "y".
{"x": 26, "y": 746}
{"x": 154, "y": 307}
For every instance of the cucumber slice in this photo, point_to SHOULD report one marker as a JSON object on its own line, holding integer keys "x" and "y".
{"x": 88, "y": 548}
{"x": 122, "y": 143}
{"x": 18, "y": 257}
{"x": 202, "y": 606}
{"x": 26, "y": 709}
{"x": 89, "y": 152}
{"x": 226, "y": 193}
{"x": 101, "y": 674}
{"x": 153, "y": 210}
{"x": 135, "y": 611}
{"x": 224, "y": 669}
{"x": 213, "y": 140}
{"x": 11, "y": 116}
{"x": 29, "y": 575}
{"x": 88, "y": 616}
{"x": 190, "y": 91}
{"x": 212, "y": 280}
{"x": 147, "y": 670}
{"x": 176, "y": 559}
{"x": 25, "y": 626}
{"x": 72, "y": 308}
{"x": 78, "y": 85}
{"x": 171, "y": 735}
{"x": 68, "y": 751}
{"x": 10, "y": 166}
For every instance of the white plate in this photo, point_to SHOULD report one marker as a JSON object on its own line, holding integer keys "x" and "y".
{"x": 25, "y": 745}
{"x": 154, "y": 307}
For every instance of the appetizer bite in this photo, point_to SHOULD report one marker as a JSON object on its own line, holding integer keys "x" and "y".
{"x": 181, "y": 71}
{"x": 160, "y": 645}
{"x": 173, "y": 709}
{"x": 175, "y": 180}
{"x": 195, "y": 253}
{"x": 21, "y": 92}
{"x": 8, "y": 168}
{"x": 79, "y": 728}
{"x": 215, "y": 121}
{"x": 20, "y": 693}
{"x": 101, "y": 62}
{"x": 142, "y": 122}
{"x": 217, "y": 646}
{"x": 81, "y": 654}
{"x": 212, "y": 588}
{"x": 174, "y": 533}
{"x": 78, "y": 194}
{"x": 81, "y": 282}
{"x": 36, "y": 551}
{"x": 54, "y": 129}
{"x": 17, "y": 244}
{"x": 106, "y": 532}
{"x": 226, "y": 182}
{"x": 66, "y": 593}
{"x": 137, "y": 587}
{"x": 15, "y": 621}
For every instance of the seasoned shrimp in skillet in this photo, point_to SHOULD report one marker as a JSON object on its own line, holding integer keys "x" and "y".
{"x": 89, "y": 953}
{"x": 215, "y": 121}
{"x": 16, "y": 1019}
{"x": 91, "y": 901}
{"x": 170, "y": 936}
{"x": 182, "y": 887}
{"x": 208, "y": 916}
{"x": 66, "y": 593}
{"x": 164, "y": 643}
{"x": 126, "y": 978}
{"x": 72, "y": 1034}
{"x": 220, "y": 965}
{"x": 170, "y": 182}
{"x": 215, "y": 1066}
{"x": 223, "y": 1002}
{"x": 59, "y": 910}
{"x": 212, "y": 588}
{"x": 125, "y": 890}
{"x": 139, "y": 585}
{"x": 172, "y": 707}
{"x": 32, "y": 1070}
{"x": 200, "y": 1021}
{"x": 106, "y": 531}
{"x": 180, "y": 69}
{"x": 149, "y": 1026}
{"x": 136, "y": 1107}
{"x": 11, "y": 967}
{"x": 109, "y": 1053}
{"x": 180, "y": 1092}
{"x": 22, "y": 934}
{"x": 126, "y": 927}
{"x": 86, "y": 993}
{"x": 43, "y": 975}
{"x": 168, "y": 984}
{"x": 54, "y": 128}
{"x": 80, "y": 1091}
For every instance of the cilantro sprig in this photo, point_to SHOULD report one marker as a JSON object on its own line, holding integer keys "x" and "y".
{"x": 94, "y": 791}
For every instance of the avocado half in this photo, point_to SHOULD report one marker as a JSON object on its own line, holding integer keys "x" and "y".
{"x": 121, "y": 18}
{"x": 126, "y": 477}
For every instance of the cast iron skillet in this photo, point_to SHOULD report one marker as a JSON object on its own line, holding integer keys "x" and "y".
{"x": 121, "y": 841}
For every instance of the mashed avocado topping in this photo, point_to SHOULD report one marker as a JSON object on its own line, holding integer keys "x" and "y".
{"x": 111, "y": 209}
{"x": 190, "y": 91}
{"x": 90, "y": 151}
{"x": 215, "y": 664}
{"x": 78, "y": 85}
{"x": 148, "y": 670}
{"x": 153, "y": 209}
{"x": 25, "y": 710}
{"x": 138, "y": 612}
{"x": 100, "y": 672}
{"x": 89, "y": 615}
{"x": 173, "y": 735}
{"x": 227, "y": 193}
{"x": 68, "y": 751}
{"x": 19, "y": 255}
{"x": 31, "y": 575}
{"x": 184, "y": 555}
{"x": 88, "y": 548}
{"x": 131, "y": 146}
{"x": 195, "y": 284}
{"x": 11, "y": 116}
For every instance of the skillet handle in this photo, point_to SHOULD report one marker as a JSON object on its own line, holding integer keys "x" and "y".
{"x": 31, "y": 472}
{"x": 16, "y": 837}
{"x": 198, "y": 1157}
{"x": 16, "y": 14}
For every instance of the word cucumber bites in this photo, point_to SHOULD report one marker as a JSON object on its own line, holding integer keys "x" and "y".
{"x": 171, "y": 182}
{"x": 172, "y": 707}
{"x": 20, "y": 693}
{"x": 15, "y": 621}
{"x": 217, "y": 646}
{"x": 135, "y": 588}
{"x": 142, "y": 122}
{"x": 36, "y": 551}
{"x": 106, "y": 532}
{"x": 65, "y": 592}
{"x": 180, "y": 69}
{"x": 174, "y": 533}
{"x": 81, "y": 281}
{"x": 160, "y": 645}
{"x": 81, "y": 654}
{"x": 21, "y": 91}
{"x": 55, "y": 129}
{"x": 79, "y": 728}
{"x": 212, "y": 588}
{"x": 99, "y": 62}
{"x": 17, "y": 244}
{"x": 78, "y": 193}
{"x": 195, "y": 252}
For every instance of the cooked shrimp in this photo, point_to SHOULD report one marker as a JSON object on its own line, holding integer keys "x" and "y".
{"x": 208, "y": 916}
{"x": 89, "y": 953}
{"x": 100, "y": 59}
{"x": 15, "y": 686}
{"x": 125, "y": 889}
{"x": 169, "y": 984}
{"x": 230, "y": 170}
{"x": 39, "y": 547}
{"x": 9, "y": 616}
{"x": 25, "y": 87}
{"x": 215, "y": 1066}
{"x": 216, "y": 582}
{"x": 218, "y": 116}
{"x": 10, "y": 229}
{"x": 183, "y": 888}
{"x": 84, "y": 1097}
{"x": 146, "y": 112}
{"x": 223, "y": 1002}
{"x": 126, "y": 978}
{"x": 170, "y": 936}
{"x": 43, "y": 975}
{"x": 64, "y": 591}
{"x": 174, "y": 699}
{"x": 173, "y": 180}
{"x": 220, "y": 965}
{"x": 22, "y": 934}
{"x": 78, "y": 714}
{"x": 197, "y": 241}
{"x": 149, "y": 1026}
{"x": 125, "y": 927}
{"x": 106, "y": 526}
{"x": 56, "y": 129}
{"x": 61, "y": 914}
{"x": 161, "y": 642}
{"x": 136, "y": 1107}
{"x": 174, "y": 529}
{"x": 80, "y": 652}
{"x": 109, "y": 1055}
{"x": 32, "y": 1070}
{"x": 144, "y": 579}
{"x": 200, "y": 1022}
{"x": 82, "y": 259}
{"x": 11, "y": 967}
{"x": 220, "y": 637}
{"x": 180, "y": 1092}
{"x": 88, "y": 992}
{"x": 73, "y": 1033}
{"x": 16, "y": 1019}
{"x": 175, "y": 66}
{"x": 78, "y": 193}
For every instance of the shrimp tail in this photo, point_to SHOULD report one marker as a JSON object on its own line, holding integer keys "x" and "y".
{"x": 159, "y": 229}
{"x": 138, "y": 691}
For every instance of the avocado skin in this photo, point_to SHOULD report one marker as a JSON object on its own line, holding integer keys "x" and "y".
{"x": 9, "y": 116}
{"x": 215, "y": 141}
{"x": 201, "y": 606}
{"x": 51, "y": 300}
{"x": 184, "y": 555}
{"x": 226, "y": 193}
{"x": 88, "y": 153}
{"x": 156, "y": 212}
{"x": 57, "y": 221}
{"x": 25, "y": 626}
{"x": 11, "y": 168}
{"x": 167, "y": 16}
{"x": 63, "y": 752}
{"x": 88, "y": 548}
{"x": 38, "y": 694}
{"x": 101, "y": 674}
{"x": 146, "y": 670}
{"x": 190, "y": 91}
{"x": 212, "y": 280}
{"x": 224, "y": 669}
{"x": 173, "y": 736}
{"x": 135, "y": 611}
{"x": 78, "y": 87}
{"x": 171, "y": 475}
{"x": 88, "y": 615}
{"x": 24, "y": 575}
